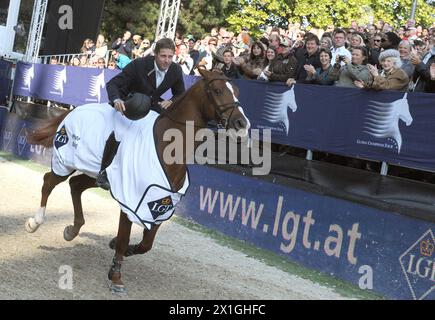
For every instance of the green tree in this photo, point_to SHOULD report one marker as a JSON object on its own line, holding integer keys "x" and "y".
{"x": 342, "y": 13}
{"x": 257, "y": 14}
{"x": 138, "y": 16}
{"x": 196, "y": 17}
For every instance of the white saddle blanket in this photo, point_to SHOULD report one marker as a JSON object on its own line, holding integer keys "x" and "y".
{"x": 137, "y": 179}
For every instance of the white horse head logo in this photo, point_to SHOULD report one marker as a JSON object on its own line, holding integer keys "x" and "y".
{"x": 28, "y": 75}
{"x": 276, "y": 104}
{"x": 382, "y": 120}
{"x": 96, "y": 84}
{"x": 59, "y": 80}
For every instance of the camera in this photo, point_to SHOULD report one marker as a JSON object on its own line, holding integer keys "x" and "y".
{"x": 341, "y": 58}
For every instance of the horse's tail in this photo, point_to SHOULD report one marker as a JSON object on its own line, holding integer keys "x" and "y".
{"x": 44, "y": 133}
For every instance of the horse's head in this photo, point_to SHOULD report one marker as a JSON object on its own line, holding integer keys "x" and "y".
{"x": 223, "y": 105}
{"x": 402, "y": 108}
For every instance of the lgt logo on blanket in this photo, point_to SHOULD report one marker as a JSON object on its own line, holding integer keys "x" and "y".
{"x": 159, "y": 207}
{"x": 61, "y": 138}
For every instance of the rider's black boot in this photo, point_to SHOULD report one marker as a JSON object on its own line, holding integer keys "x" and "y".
{"x": 109, "y": 153}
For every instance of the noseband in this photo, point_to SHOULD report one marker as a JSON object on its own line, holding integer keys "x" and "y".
{"x": 223, "y": 121}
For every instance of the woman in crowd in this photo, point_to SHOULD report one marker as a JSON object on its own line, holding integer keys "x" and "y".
{"x": 405, "y": 48}
{"x": 356, "y": 41}
{"x": 321, "y": 75}
{"x": 88, "y": 47}
{"x": 101, "y": 47}
{"x": 183, "y": 59}
{"x": 75, "y": 62}
{"x": 326, "y": 43}
{"x": 253, "y": 67}
{"x": 269, "y": 62}
{"x": 352, "y": 70}
{"x": 392, "y": 77}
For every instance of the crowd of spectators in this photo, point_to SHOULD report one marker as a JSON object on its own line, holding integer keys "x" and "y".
{"x": 360, "y": 56}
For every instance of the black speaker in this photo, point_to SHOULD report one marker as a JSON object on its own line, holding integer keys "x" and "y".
{"x": 69, "y": 23}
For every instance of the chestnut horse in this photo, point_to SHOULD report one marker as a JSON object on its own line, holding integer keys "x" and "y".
{"x": 212, "y": 98}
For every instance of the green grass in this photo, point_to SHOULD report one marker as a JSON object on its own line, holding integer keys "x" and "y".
{"x": 341, "y": 287}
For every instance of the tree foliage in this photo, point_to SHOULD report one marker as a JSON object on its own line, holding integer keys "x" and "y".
{"x": 140, "y": 16}
{"x": 342, "y": 13}
{"x": 257, "y": 14}
{"x": 197, "y": 17}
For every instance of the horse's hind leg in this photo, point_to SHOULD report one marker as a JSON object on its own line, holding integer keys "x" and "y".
{"x": 123, "y": 238}
{"x": 78, "y": 185}
{"x": 144, "y": 246}
{"x": 51, "y": 180}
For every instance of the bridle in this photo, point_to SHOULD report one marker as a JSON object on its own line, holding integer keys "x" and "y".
{"x": 223, "y": 121}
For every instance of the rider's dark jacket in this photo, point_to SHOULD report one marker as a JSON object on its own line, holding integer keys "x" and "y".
{"x": 140, "y": 76}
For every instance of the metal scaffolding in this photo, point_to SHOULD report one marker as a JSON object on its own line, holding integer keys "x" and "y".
{"x": 168, "y": 17}
{"x": 35, "y": 34}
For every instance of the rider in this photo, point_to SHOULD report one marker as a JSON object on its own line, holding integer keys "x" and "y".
{"x": 141, "y": 84}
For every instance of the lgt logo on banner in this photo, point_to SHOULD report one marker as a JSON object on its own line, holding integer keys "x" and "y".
{"x": 418, "y": 266}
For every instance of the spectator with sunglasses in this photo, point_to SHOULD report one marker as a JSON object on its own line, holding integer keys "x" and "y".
{"x": 375, "y": 50}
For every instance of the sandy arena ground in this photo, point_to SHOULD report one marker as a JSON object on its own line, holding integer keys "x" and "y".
{"x": 183, "y": 264}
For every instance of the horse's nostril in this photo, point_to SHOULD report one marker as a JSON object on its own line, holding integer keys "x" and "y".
{"x": 240, "y": 124}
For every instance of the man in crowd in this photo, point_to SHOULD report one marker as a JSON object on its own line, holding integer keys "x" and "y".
{"x": 339, "y": 48}
{"x": 124, "y": 45}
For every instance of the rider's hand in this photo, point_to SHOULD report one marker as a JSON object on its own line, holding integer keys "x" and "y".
{"x": 118, "y": 104}
{"x": 165, "y": 104}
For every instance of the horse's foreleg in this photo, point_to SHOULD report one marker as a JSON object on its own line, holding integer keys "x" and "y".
{"x": 123, "y": 238}
{"x": 144, "y": 246}
{"x": 50, "y": 181}
{"x": 78, "y": 185}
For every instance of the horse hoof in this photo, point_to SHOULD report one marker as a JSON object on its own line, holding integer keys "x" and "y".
{"x": 69, "y": 235}
{"x": 118, "y": 289}
{"x": 31, "y": 225}
{"x": 112, "y": 243}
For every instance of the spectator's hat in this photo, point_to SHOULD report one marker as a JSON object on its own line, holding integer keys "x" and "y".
{"x": 191, "y": 38}
{"x": 137, "y": 106}
{"x": 390, "y": 53}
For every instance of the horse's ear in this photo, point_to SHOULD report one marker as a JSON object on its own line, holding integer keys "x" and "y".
{"x": 204, "y": 72}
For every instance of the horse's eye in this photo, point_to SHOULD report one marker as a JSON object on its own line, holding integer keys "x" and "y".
{"x": 218, "y": 91}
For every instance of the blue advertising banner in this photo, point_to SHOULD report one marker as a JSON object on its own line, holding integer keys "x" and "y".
{"x": 13, "y": 139}
{"x": 69, "y": 85}
{"x": 375, "y": 250}
{"x": 5, "y": 80}
{"x": 388, "y": 126}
